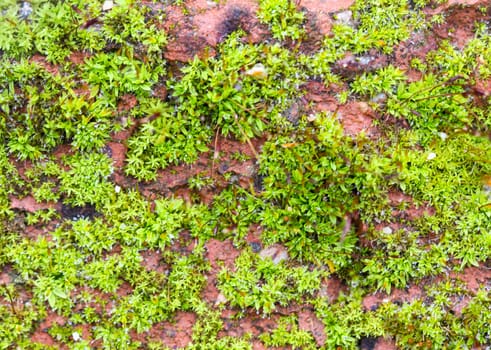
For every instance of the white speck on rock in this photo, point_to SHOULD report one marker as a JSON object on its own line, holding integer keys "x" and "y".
{"x": 380, "y": 98}
{"x": 387, "y": 230}
{"x": 282, "y": 255}
{"x": 276, "y": 253}
{"x": 76, "y": 336}
{"x": 25, "y": 10}
{"x": 443, "y": 136}
{"x": 108, "y": 4}
{"x": 257, "y": 72}
{"x": 365, "y": 60}
{"x": 312, "y": 117}
{"x": 221, "y": 299}
{"x": 344, "y": 17}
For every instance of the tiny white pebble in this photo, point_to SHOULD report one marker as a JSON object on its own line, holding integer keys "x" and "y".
{"x": 443, "y": 136}
{"x": 117, "y": 189}
{"x": 431, "y": 156}
{"x": 387, "y": 230}
{"x": 365, "y": 60}
{"x": 379, "y": 98}
{"x": 221, "y": 299}
{"x": 344, "y": 17}
{"x": 76, "y": 336}
{"x": 108, "y": 4}
{"x": 25, "y": 10}
{"x": 258, "y": 71}
{"x": 312, "y": 117}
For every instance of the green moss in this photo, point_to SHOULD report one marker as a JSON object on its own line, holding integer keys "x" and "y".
{"x": 346, "y": 322}
{"x": 289, "y": 334}
{"x": 263, "y": 284}
{"x": 283, "y": 18}
{"x": 87, "y": 180}
{"x": 313, "y": 182}
{"x": 325, "y": 197}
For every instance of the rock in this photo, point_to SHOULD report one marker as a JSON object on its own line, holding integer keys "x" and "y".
{"x": 30, "y": 205}
{"x": 221, "y": 299}
{"x": 309, "y": 322}
{"x": 380, "y": 98}
{"x": 255, "y": 246}
{"x": 276, "y": 253}
{"x": 344, "y": 18}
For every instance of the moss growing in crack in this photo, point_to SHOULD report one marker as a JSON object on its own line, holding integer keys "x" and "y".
{"x": 87, "y": 180}
{"x": 263, "y": 284}
{"x": 230, "y": 97}
{"x": 288, "y": 334}
{"x": 285, "y": 21}
{"x": 312, "y": 185}
{"x": 216, "y": 93}
{"x": 206, "y": 335}
{"x": 346, "y": 322}
{"x": 377, "y": 24}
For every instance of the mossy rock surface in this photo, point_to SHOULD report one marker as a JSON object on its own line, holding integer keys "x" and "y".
{"x": 245, "y": 174}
